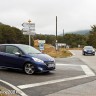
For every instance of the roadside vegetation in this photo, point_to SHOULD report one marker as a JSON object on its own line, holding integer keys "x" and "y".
{"x": 3, "y": 89}
{"x": 13, "y": 35}
{"x": 60, "y": 53}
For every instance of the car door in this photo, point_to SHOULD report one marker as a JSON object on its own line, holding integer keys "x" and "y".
{"x": 2, "y": 56}
{"x": 12, "y": 60}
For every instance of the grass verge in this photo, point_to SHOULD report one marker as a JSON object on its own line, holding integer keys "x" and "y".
{"x": 61, "y": 53}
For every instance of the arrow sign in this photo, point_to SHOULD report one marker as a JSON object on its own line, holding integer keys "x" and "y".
{"x": 28, "y": 24}
{"x": 26, "y": 29}
{"x": 29, "y": 33}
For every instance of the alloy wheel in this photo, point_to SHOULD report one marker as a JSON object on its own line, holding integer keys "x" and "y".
{"x": 29, "y": 69}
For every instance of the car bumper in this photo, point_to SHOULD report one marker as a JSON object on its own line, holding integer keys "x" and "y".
{"x": 45, "y": 68}
{"x": 89, "y": 53}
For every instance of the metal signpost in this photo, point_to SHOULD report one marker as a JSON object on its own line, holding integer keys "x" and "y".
{"x": 29, "y": 29}
{"x": 56, "y": 43}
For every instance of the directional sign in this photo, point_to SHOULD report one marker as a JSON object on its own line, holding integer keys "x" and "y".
{"x": 29, "y": 33}
{"x": 41, "y": 41}
{"x": 28, "y": 24}
{"x": 26, "y": 29}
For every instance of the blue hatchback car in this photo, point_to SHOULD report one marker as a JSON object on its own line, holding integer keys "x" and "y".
{"x": 26, "y": 58}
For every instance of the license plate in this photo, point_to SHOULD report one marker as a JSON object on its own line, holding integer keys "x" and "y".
{"x": 89, "y": 52}
{"x": 50, "y": 65}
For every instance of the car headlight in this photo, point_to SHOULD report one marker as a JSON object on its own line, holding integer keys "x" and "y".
{"x": 85, "y": 50}
{"x": 93, "y": 50}
{"x": 37, "y": 60}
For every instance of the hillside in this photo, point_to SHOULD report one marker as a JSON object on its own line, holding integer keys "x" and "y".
{"x": 81, "y": 32}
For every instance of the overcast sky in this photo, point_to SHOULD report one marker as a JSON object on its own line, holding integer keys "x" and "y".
{"x": 72, "y": 14}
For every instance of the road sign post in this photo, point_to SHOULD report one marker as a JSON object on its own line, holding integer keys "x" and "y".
{"x": 29, "y": 29}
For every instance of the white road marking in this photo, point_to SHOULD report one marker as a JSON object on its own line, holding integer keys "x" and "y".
{"x": 50, "y": 82}
{"x": 72, "y": 52}
{"x": 15, "y": 88}
{"x": 61, "y": 64}
{"x": 85, "y": 68}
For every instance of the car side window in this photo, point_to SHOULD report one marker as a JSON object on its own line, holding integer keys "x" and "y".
{"x": 12, "y": 50}
{"x": 2, "y": 48}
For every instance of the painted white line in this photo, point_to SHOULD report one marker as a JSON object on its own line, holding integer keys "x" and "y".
{"x": 85, "y": 68}
{"x": 15, "y": 88}
{"x": 72, "y": 52}
{"x": 50, "y": 82}
{"x": 61, "y": 64}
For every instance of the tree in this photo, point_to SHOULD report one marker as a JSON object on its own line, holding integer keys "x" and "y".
{"x": 92, "y": 36}
{"x": 10, "y": 35}
{"x": 75, "y": 39}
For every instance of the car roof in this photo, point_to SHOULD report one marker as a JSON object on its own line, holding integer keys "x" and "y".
{"x": 13, "y": 44}
{"x": 17, "y": 45}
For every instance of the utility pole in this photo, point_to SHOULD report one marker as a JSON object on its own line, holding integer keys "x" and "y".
{"x": 56, "y": 36}
{"x": 63, "y": 32}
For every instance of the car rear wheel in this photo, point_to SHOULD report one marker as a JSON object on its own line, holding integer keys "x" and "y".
{"x": 29, "y": 68}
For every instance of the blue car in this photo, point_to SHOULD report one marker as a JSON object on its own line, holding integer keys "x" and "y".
{"x": 26, "y": 58}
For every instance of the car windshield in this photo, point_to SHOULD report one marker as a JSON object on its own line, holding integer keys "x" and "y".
{"x": 88, "y": 47}
{"x": 29, "y": 49}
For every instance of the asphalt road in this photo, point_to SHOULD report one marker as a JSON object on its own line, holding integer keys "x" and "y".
{"x": 89, "y": 60}
{"x": 69, "y": 73}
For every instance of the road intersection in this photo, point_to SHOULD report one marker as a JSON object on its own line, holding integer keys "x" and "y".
{"x": 70, "y": 72}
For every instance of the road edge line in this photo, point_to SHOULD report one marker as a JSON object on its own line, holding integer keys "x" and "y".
{"x": 14, "y": 87}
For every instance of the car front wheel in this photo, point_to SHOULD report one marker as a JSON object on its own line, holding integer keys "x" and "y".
{"x": 83, "y": 53}
{"x": 29, "y": 69}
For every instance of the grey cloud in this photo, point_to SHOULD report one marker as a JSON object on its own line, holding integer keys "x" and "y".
{"x": 72, "y": 14}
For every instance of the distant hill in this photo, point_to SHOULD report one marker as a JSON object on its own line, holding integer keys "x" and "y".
{"x": 1, "y": 23}
{"x": 81, "y": 32}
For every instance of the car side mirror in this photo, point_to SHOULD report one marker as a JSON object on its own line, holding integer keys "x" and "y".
{"x": 17, "y": 53}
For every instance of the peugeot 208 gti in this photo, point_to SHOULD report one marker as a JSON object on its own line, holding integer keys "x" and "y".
{"x": 25, "y": 57}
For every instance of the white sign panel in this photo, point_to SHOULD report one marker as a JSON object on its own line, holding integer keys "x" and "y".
{"x": 26, "y": 29}
{"x": 29, "y": 33}
{"x": 41, "y": 46}
{"x": 41, "y": 41}
{"x": 28, "y": 24}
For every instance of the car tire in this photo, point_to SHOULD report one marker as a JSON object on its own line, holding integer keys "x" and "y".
{"x": 94, "y": 54}
{"x": 83, "y": 53}
{"x": 29, "y": 69}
